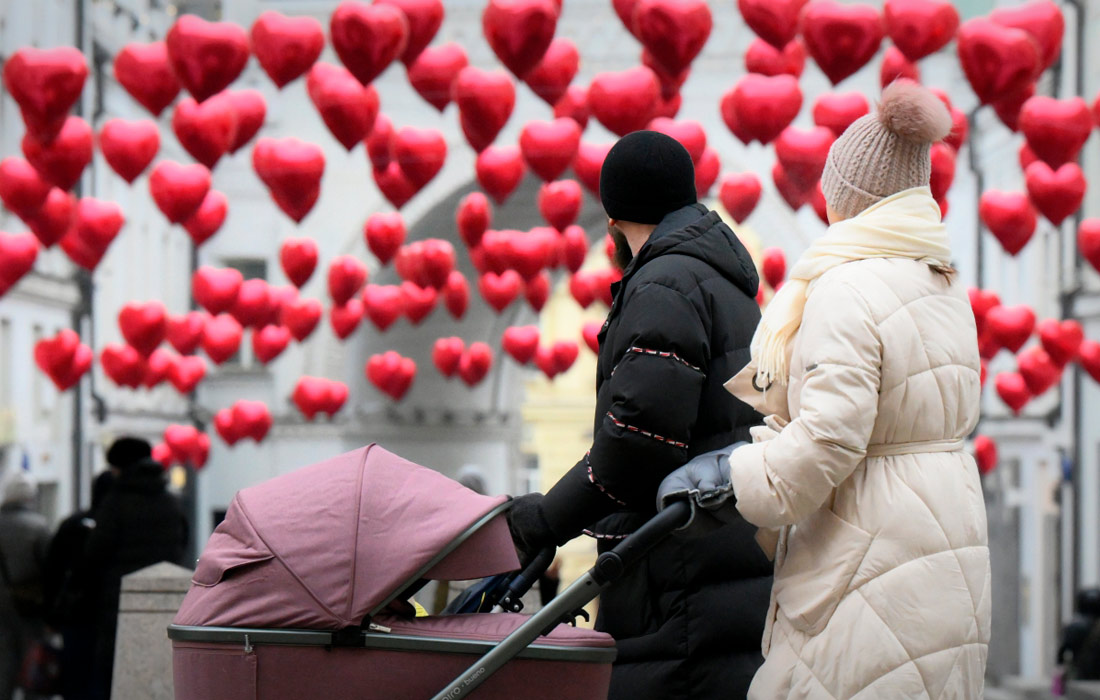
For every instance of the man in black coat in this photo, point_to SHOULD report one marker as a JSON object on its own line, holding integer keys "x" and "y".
{"x": 688, "y": 620}
{"x": 138, "y": 524}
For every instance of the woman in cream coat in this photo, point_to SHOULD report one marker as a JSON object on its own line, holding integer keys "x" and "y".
{"x": 867, "y": 362}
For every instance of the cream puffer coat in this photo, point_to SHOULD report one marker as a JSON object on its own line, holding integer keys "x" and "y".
{"x": 881, "y": 561}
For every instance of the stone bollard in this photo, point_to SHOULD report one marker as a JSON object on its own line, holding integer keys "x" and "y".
{"x": 143, "y": 655}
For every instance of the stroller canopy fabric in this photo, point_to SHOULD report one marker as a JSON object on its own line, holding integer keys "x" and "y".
{"x": 323, "y": 546}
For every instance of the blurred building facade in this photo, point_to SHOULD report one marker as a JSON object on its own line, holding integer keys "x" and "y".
{"x": 516, "y": 429}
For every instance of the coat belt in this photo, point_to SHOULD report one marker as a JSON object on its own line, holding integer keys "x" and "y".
{"x": 889, "y": 449}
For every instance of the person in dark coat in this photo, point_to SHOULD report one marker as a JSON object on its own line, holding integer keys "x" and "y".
{"x": 689, "y": 619}
{"x": 70, "y": 600}
{"x": 138, "y": 524}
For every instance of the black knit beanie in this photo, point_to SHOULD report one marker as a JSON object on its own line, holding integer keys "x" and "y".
{"x": 645, "y": 176}
{"x": 127, "y": 451}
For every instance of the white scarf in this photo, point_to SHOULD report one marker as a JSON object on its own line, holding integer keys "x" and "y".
{"x": 905, "y": 225}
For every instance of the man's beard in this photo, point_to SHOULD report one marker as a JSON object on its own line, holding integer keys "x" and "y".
{"x": 623, "y": 254}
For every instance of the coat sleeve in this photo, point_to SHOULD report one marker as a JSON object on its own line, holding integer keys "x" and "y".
{"x": 645, "y": 433}
{"x": 784, "y": 480}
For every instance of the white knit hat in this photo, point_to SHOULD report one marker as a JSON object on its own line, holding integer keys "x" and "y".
{"x": 882, "y": 154}
{"x": 20, "y": 487}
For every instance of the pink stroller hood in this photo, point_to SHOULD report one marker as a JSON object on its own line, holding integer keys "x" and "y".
{"x": 329, "y": 544}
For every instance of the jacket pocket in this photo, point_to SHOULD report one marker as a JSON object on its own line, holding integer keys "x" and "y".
{"x": 823, "y": 554}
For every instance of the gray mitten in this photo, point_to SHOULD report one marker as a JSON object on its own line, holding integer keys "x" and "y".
{"x": 705, "y": 483}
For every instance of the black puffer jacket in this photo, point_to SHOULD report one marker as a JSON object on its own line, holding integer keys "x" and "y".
{"x": 689, "y": 620}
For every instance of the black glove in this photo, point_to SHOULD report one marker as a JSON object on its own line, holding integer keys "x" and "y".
{"x": 705, "y": 483}
{"x": 530, "y": 531}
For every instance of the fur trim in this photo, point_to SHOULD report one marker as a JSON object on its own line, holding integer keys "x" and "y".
{"x": 912, "y": 112}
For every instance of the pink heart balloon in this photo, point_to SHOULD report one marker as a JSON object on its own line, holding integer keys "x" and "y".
{"x": 145, "y": 72}
{"x": 129, "y": 147}
{"x": 286, "y": 47}
{"x": 206, "y": 56}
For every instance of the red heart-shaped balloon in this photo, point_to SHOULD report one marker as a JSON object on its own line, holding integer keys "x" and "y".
{"x": 795, "y": 196}
{"x": 1056, "y": 194}
{"x": 1088, "y": 241}
{"x": 420, "y": 153}
{"x": 123, "y": 365}
{"x": 588, "y": 163}
{"x": 346, "y": 318}
{"x": 582, "y": 287}
{"x": 895, "y": 66}
{"x": 673, "y": 32}
{"x": 310, "y": 395}
{"x": 391, "y": 373}
{"x": 384, "y": 304}
{"x": 689, "y": 133}
{"x": 380, "y": 142}
{"x": 574, "y": 105}
{"x": 473, "y": 217}
{"x": 269, "y": 342}
{"x": 774, "y": 21}
{"x": 761, "y": 107}
{"x": 1008, "y": 108}
{"x": 45, "y": 83}
{"x": 1010, "y": 217}
{"x": 1043, "y": 20}
{"x": 143, "y": 325}
{"x": 485, "y": 101}
{"x": 18, "y": 252}
{"x": 206, "y": 56}
{"x": 286, "y": 47}
{"x": 368, "y": 38}
{"x": 774, "y": 266}
{"x": 1010, "y": 326}
{"x": 129, "y": 147}
{"x": 763, "y": 58}
{"x": 298, "y": 258}
{"x": 500, "y": 290}
{"x": 97, "y": 225}
{"x": 347, "y": 108}
{"x": 157, "y": 366}
{"x": 145, "y": 72}
{"x": 706, "y": 172}
{"x": 985, "y": 454}
{"x": 739, "y": 194}
{"x": 216, "y": 289}
{"x": 250, "y": 108}
{"x": 802, "y": 152}
{"x": 998, "y": 61}
{"x": 499, "y": 171}
{"x": 61, "y": 160}
{"x": 186, "y": 373}
{"x": 841, "y": 38}
{"x": 546, "y": 362}
{"x": 920, "y": 28}
{"x": 407, "y": 263}
{"x": 301, "y": 316}
{"x": 437, "y": 261}
{"x": 551, "y": 77}
{"x": 981, "y": 301}
{"x": 205, "y": 130}
{"x": 549, "y": 147}
{"x": 394, "y": 184}
{"x": 529, "y": 253}
{"x": 590, "y": 331}
{"x": 943, "y": 170}
{"x": 565, "y": 353}
{"x": 1061, "y": 339}
{"x": 456, "y": 294}
{"x": 208, "y": 218}
{"x": 188, "y": 446}
{"x": 184, "y": 332}
{"x": 63, "y": 358}
{"x": 221, "y": 338}
{"x": 519, "y": 31}
{"x": 418, "y": 302}
{"x": 252, "y": 306}
{"x": 1056, "y": 130}
{"x": 1040, "y": 372}
{"x": 537, "y": 291}
{"x": 521, "y": 342}
{"x": 1013, "y": 390}
{"x": 179, "y": 190}
{"x": 54, "y": 218}
{"x": 574, "y": 247}
{"x": 560, "y": 203}
{"x": 433, "y": 73}
{"x": 346, "y": 276}
{"x": 1089, "y": 358}
{"x": 475, "y": 363}
{"x": 226, "y": 427}
{"x": 384, "y": 234}
{"x": 837, "y": 111}
{"x": 424, "y": 18}
{"x": 22, "y": 189}
{"x": 625, "y": 101}
{"x": 446, "y": 354}
{"x": 292, "y": 171}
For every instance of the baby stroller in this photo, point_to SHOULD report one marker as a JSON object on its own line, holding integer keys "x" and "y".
{"x": 302, "y": 593}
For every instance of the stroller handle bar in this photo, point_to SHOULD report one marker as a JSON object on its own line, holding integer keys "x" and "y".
{"x": 609, "y": 567}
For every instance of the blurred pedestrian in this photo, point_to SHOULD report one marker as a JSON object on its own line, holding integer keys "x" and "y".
{"x": 138, "y": 524}
{"x": 1079, "y": 653}
{"x": 71, "y": 597}
{"x": 24, "y": 537}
